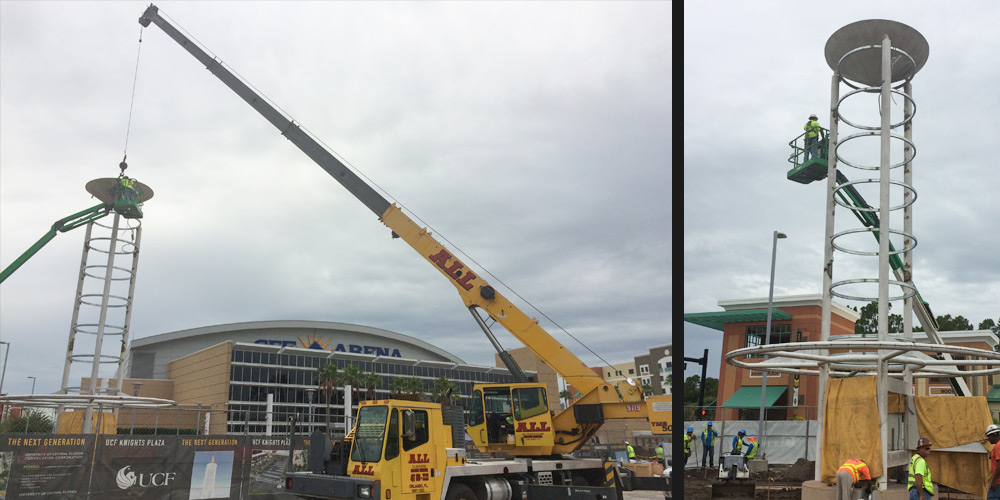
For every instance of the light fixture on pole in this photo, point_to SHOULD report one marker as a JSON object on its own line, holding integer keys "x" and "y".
{"x": 32, "y": 384}
{"x": 767, "y": 339}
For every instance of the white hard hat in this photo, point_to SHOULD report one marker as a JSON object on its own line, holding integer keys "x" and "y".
{"x": 813, "y": 116}
{"x": 626, "y": 442}
{"x": 992, "y": 429}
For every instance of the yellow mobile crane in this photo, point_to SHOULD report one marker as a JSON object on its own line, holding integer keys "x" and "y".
{"x": 405, "y": 445}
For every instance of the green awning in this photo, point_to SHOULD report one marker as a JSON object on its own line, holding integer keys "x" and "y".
{"x": 749, "y": 397}
{"x": 717, "y": 320}
{"x": 994, "y": 395}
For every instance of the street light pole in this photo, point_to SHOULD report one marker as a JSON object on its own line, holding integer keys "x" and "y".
{"x": 135, "y": 392}
{"x": 4, "y": 372}
{"x": 309, "y": 394}
{"x": 32, "y": 384}
{"x": 767, "y": 340}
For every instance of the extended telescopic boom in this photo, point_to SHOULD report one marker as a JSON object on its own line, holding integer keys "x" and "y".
{"x": 474, "y": 290}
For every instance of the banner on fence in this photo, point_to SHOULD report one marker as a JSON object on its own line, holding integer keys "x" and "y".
{"x": 119, "y": 466}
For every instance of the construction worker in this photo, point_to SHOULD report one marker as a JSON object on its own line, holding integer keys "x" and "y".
{"x": 814, "y": 134}
{"x": 126, "y": 188}
{"x": 708, "y": 445}
{"x": 687, "y": 444}
{"x": 738, "y": 441}
{"x": 631, "y": 452}
{"x": 853, "y": 474}
{"x": 993, "y": 489}
{"x": 918, "y": 479}
{"x": 659, "y": 455}
{"x": 752, "y": 445}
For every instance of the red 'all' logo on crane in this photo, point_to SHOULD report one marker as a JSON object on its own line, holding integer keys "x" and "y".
{"x": 533, "y": 427}
{"x": 454, "y": 270}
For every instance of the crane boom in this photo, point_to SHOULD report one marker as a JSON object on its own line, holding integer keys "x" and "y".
{"x": 476, "y": 293}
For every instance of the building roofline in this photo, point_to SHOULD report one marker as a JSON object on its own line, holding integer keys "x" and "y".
{"x": 366, "y": 357}
{"x": 811, "y": 299}
{"x": 305, "y": 324}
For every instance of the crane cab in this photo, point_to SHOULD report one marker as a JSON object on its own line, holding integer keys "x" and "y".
{"x": 511, "y": 418}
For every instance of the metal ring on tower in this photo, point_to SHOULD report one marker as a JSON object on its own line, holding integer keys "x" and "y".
{"x": 901, "y": 284}
{"x": 873, "y": 90}
{"x": 905, "y": 161}
{"x": 871, "y": 230}
{"x": 871, "y": 47}
{"x": 875, "y": 181}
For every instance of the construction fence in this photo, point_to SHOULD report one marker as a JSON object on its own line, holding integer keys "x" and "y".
{"x": 781, "y": 441}
{"x": 172, "y": 420}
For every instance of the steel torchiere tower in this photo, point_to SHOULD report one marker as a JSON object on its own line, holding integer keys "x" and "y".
{"x": 105, "y": 286}
{"x": 875, "y": 57}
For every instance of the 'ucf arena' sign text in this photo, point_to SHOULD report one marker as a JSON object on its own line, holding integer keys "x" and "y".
{"x": 391, "y": 352}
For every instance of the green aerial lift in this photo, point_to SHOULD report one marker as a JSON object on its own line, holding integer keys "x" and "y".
{"x": 805, "y": 171}
{"x": 124, "y": 195}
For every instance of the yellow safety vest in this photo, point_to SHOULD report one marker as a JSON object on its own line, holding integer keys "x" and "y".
{"x": 752, "y": 443}
{"x": 919, "y": 466}
{"x": 812, "y": 128}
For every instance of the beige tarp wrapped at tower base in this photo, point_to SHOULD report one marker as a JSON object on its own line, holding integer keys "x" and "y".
{"x": 851, "y": 430}
{"x": 71, "y": 422}
{"x": 850, "y": 426}
{"x": 952, "y": 421}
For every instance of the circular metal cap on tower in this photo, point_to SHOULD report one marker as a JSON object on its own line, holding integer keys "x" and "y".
{"x": 102, "y": 189}
{"x": 865, "y": 66}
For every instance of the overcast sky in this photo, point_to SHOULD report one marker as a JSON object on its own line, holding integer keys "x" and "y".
{"x": 536, "y": 137}
{"x": 753, "y": 71}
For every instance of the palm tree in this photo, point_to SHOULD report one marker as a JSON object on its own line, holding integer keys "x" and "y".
{"x": 647, "y": 389}
{"x": 415, "y": 387}
{"x": 398, "y": 387}
{"x": 31, "y": 421}
{"x": 371, "y": 381}
{"x": 566, "y": 396}
{"x": 444, "y": 390}
{"x": 327, "y": 378}
{"x": 352, "y": 376}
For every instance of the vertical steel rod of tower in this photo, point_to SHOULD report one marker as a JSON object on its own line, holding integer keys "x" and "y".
{"x": 883, "y": 256}
{"x": 831, "y": 187}
{"x": 767, "y": 341}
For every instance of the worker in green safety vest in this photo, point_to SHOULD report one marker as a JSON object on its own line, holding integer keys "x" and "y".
{"x": 631, "y": 452}
{"x": 918, "y": 478}
{"x": 752, "y": 446}
{"x": 687, "y": 444}
{"x": 126, "y": 188}
{"x": 659, "y": 455}
{"x": 738, "y": 441}
{"x": 814, "y": 134}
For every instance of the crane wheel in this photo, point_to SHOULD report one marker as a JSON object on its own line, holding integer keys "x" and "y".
{"x": 459, "y": 491}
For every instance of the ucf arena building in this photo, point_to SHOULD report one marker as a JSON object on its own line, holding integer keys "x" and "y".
{"x": 230, "y": 371}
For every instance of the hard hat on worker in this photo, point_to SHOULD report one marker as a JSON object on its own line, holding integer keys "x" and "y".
{"x": 813, "y": 116}
{"x": 992, "y": 429}
{"x": 690, "y": 429}
{"x": 709, "y": 423}
{"x": 742, "y": 431}
{"x": 923, "y": 442}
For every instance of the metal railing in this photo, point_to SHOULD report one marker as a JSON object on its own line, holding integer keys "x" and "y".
{"x": 798, "y": 151}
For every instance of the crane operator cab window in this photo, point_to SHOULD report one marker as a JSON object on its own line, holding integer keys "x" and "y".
{"x": 498, "y": 414}
{"x": 502, "y": 410}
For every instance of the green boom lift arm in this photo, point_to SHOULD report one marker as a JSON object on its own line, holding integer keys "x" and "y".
{"x": 60, "y": 226}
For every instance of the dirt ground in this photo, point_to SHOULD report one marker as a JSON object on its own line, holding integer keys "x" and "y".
{"x": 782, "y": 482}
